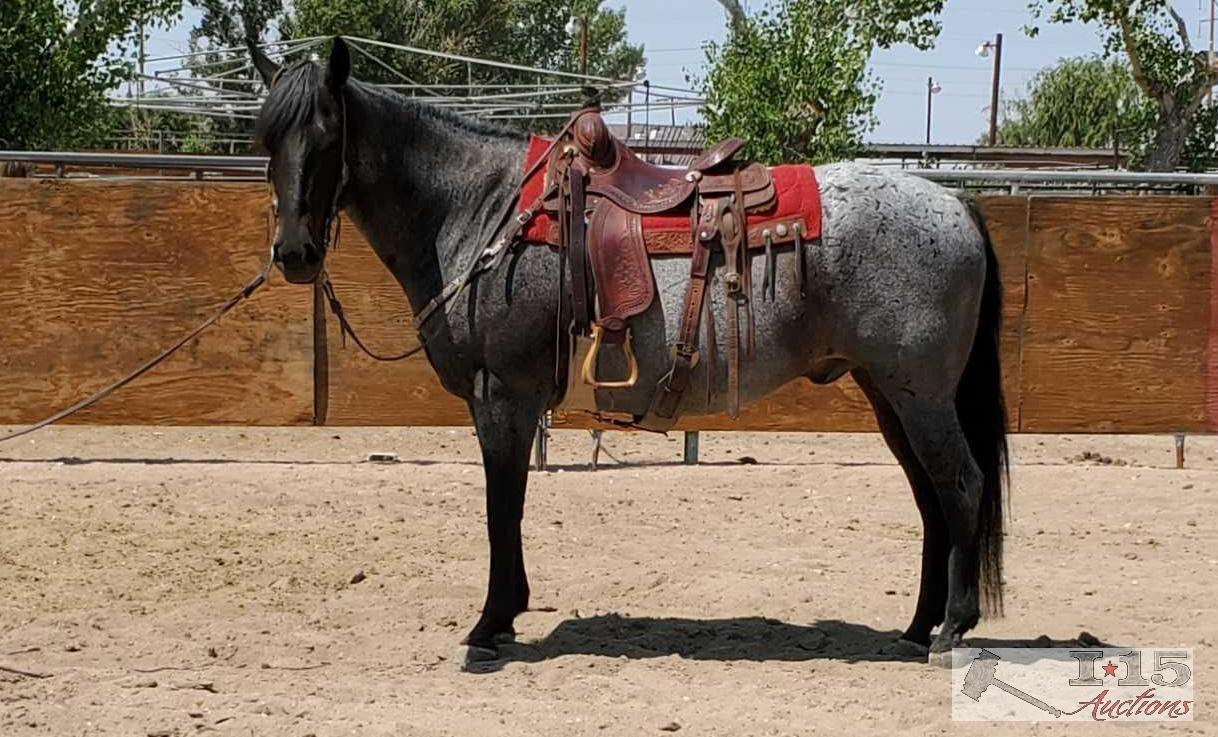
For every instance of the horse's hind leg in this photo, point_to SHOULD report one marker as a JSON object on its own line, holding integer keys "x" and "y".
{"x": 932, "y": 592}
{"x": 932, "y": 427}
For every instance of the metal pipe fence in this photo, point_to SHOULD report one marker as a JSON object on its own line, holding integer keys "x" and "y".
{"x": 982, "y": 178}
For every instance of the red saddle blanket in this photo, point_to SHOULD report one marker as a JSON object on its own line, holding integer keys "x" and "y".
{"x": 797, "y": 200}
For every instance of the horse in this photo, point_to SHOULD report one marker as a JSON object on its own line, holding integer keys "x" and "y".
{"x": 902, "y": 292}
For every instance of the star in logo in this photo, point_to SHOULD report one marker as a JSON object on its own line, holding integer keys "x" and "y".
{"x": 1110, "y": 669}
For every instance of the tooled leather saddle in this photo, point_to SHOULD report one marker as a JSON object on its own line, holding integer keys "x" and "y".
{"x": 612, "y": 212}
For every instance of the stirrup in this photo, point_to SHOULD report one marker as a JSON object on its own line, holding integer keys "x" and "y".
{"x": 589, "y": 370}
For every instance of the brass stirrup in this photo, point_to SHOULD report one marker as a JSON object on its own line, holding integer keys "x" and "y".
{"x": 589, "y": 371}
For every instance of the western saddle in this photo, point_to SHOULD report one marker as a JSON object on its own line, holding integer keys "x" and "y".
{"x": 612, "y": 210}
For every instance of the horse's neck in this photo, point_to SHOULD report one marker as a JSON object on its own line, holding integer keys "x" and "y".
{"x": 424, "y": 193}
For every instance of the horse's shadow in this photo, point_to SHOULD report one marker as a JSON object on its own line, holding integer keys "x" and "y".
{"x": 754, "y": 639}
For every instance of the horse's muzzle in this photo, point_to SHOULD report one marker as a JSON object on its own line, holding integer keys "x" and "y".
{"x": 300, "y": 264}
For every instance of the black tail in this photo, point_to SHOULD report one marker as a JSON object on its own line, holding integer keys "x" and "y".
{"x": 983, "y": 414}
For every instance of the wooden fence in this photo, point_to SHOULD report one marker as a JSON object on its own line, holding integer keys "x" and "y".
{"x": 1110, "y": 317}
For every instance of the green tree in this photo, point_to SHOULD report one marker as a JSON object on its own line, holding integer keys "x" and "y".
{"x": 1094, "y": 102}
{"x": 227, "y": 23}
{"x": 1174, "y": 76}
{"x": 524, "y": 32}
{"x": 59, "y": 61}
{"x": 1085, "y": 101}
{"x": 219, "y": 36}
{"x": 793, "y": 78}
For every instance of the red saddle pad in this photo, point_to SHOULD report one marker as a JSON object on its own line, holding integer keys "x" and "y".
{"x": 798, "y": 196}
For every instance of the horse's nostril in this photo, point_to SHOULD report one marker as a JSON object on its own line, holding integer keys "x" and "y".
{"x": 304, "y": 254}
{"x": 312, "y": 254}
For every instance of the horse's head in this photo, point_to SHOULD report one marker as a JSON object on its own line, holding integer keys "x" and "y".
{"x": 302, "y": 125}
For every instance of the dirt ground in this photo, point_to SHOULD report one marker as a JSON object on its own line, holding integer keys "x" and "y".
{"x": 183, "y": 581}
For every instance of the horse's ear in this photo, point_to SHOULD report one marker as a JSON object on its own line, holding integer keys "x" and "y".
{"x": 339, "y": 68}
{"x": 267, "y": 69}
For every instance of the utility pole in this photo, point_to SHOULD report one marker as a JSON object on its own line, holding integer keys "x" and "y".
{"x": 583, "y": 45}
{"x": 994, "y": 92}
{"x": 1213, "y": 59}
{"x": 139, "y": 84}
{"x": 983, "y": 51}
{"x": 932, "y": 89}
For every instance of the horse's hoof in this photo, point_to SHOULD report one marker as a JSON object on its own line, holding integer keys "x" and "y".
{"x": 506, "y": 637}
{"x": 902, "y": 648}
{"x": 473, "y": 657}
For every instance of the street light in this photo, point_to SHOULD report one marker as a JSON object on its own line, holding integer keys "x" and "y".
{"x": 984, "y": 51}
{"x": 932, "y": 89}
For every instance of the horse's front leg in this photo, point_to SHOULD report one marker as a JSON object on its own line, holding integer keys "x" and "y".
{"x": 505, "y": 426}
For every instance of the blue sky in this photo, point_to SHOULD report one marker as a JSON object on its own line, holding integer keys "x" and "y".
{"x": 672, "y": 32}
{"x": 671, "y": 29}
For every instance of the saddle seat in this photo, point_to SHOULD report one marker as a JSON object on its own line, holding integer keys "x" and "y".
{"x": 638, "y": 186}
{"x": 611, "y": 212}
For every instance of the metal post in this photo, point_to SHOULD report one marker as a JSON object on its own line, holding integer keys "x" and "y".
{"x": 541, "y": 447}
{"x": 930, "y": 96}
{"x": 598, "y": 439}
{"x": 994, "y": 92}
{"x": 630, "y": 117}
{"x": 691, "y": 447}
{"x": 1179, "y": 450}
{"x": 647, "y": 115}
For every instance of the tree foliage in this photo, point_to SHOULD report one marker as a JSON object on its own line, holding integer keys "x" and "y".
{"x": 793, "y": 78}
{"x": 1162, "y": 61}
{"x": 524, "y": 32}
{"x": 1095, "y": 103}
{"x": 227, "y": 23}
{"x": 220, "y": 35}
{"x": 521, "y": 32}
{"x": 1085, "y": 102}
{"x": 59, "y": 59}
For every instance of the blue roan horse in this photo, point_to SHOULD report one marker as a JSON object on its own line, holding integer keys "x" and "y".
{"x": 902, "y": 292}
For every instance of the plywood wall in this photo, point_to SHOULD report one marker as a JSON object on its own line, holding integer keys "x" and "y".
{"x": 1108, "y": 308}
{"x": 99, "y": 276}
{"x": 1117, "y": 323}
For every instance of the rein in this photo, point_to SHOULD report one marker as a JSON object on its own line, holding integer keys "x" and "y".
{"x": 507, "y": 229}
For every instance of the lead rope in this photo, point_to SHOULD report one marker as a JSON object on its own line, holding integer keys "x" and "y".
{"x": 246, "y": 292}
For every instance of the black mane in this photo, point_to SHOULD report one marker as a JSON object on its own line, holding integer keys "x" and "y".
{"x": 292, "y": 100}
{"x": 295, "y": 97}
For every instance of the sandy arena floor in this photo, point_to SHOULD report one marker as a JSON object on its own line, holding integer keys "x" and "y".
{"x": 187, "y": 581}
